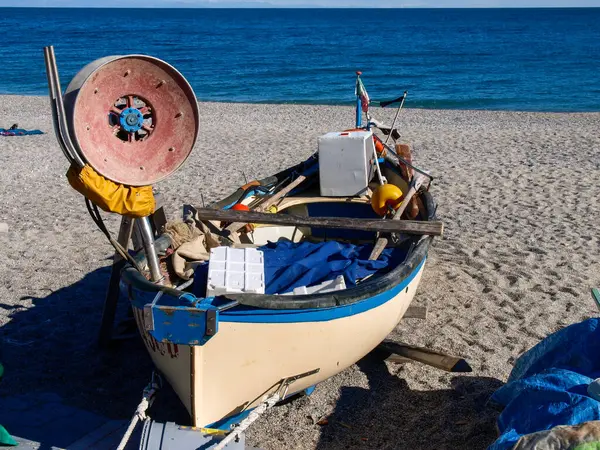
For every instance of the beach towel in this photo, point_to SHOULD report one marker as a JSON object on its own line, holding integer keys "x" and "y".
{"x": 18, "y": 132}
{"x": 548, "y": 385}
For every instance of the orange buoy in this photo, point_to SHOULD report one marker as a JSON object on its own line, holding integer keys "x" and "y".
{"x": 379, "y": 147}
{"x": 385, "y": 197}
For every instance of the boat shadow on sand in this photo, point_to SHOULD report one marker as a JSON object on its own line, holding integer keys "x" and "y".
{"x": 391, "y": 415}
{"x": 50, "y": 351}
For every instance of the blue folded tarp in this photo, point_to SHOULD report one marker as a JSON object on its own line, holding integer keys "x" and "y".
{"x": 548, "y": 385}
{"x": 18, "y": 132}
{"x": 290, "y": 265}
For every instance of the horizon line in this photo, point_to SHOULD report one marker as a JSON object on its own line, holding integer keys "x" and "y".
{"x": 301, "y": 7}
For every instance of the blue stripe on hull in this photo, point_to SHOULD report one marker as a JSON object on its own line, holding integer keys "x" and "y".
{"x": 189, "y": 325}
{"x": 250, "y": 315}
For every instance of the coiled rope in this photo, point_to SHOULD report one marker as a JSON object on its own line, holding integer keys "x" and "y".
{"x": 140, "y": 412}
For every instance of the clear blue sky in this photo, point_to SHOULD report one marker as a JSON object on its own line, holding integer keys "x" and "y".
{"x": 309, "y": 3}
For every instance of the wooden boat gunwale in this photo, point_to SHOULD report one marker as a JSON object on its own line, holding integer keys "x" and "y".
{"x": 369, "y": 288}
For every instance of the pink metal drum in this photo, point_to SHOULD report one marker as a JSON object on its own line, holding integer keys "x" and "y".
{"x": 134, "y": 118}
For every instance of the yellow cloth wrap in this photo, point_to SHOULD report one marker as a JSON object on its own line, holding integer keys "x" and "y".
{"x": 110, "y": 196}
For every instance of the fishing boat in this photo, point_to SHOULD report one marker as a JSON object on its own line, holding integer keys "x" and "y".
{"x": 223, "y": 355}
{"x": 342, "y": 243}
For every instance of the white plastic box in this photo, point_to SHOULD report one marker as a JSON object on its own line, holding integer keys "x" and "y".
{"x": 345, "y": 163}
{"x": 338, "y": 284}
{"x": 235, "y": 270}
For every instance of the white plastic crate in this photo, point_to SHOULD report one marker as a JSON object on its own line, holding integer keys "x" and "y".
{"x": 235, "y": 270}
{"x": 345, "y": 162}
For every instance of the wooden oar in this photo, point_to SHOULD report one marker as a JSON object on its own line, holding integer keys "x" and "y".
{"x": 425, "y": 356}
{"x": 415, "y": 184}
{"x": 418, "y": 227}
{"x": 237, "y": 226}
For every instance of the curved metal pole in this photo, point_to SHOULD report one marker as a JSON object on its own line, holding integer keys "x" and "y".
{"x": 53, "y": 106}
{"x": 61, "y": 119}
{"x": 62, "y": 116}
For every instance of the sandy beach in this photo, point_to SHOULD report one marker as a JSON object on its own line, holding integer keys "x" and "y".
{"x": 517, "y": 193}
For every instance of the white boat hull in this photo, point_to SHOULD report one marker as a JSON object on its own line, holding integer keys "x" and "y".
{"x": 244, "y": 361}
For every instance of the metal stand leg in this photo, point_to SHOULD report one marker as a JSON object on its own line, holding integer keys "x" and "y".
{"x": 142, "y": 236}
{"x": 147, "y": 234}
{"x": 112, "y": 296}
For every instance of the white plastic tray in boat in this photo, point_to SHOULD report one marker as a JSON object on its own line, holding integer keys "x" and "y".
{"x": 235, "y": 270}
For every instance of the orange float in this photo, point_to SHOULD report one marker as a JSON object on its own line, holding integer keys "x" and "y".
{"x": 385, "y": 197}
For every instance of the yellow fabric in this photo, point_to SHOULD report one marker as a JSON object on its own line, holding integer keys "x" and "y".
{"x": 110, "y": 196}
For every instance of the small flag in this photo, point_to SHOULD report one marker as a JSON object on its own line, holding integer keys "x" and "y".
{"x": 362, "y": 93}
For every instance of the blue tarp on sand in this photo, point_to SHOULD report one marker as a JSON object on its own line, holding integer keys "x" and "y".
{"x": 548, "y": 385}
{"x": 289, "y": 265}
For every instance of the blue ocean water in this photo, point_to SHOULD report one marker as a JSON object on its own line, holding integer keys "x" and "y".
{"x": 512, "y": 59}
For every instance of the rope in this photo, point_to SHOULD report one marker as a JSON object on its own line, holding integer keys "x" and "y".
{"x": 181, "y": 232}
{"x": 127, "y": 435}
{"x": 252, "y": 417}
{"x": 140, "y": 412}
{"x": 97, "y": 218}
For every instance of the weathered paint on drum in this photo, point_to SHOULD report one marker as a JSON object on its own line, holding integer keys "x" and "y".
{"x": 90, "y": 100}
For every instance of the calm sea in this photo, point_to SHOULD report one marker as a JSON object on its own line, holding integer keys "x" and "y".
{"x": 513, "y": 59}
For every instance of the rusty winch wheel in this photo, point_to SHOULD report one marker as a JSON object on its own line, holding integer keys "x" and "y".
{"x": 133, "y": 118}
